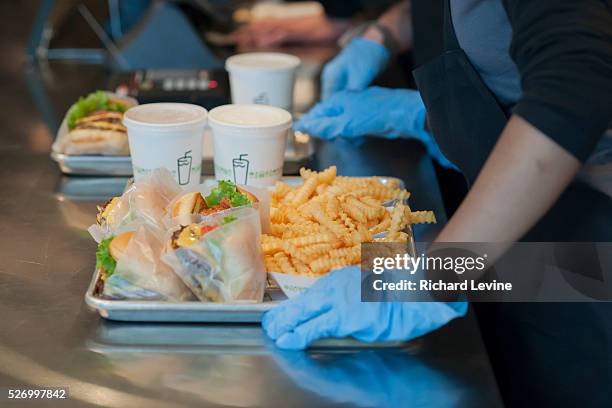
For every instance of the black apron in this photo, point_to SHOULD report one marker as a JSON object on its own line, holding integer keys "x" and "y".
{"x": 554, "y": 354}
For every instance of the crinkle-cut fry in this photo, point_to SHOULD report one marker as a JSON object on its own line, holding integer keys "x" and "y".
{"x": 398, "y": 219}
{"x": 361, "y": 235}
{"x": 337, "y": 190}
{"x": 364, "y": 187}
{"x": 320, "y": 190}
{"x": 289, "y": 197}
{"x": 399, "y": 194}
{"x": 364, "y": 233}
{"x": 383, "y": 226}
{"x": 313, "y": 239}
{"x": 347, "y": 221}
{"x": 371, "y": 201}
{"x": 328, "y": 175}
{"x": 272, "y": 244}
{"x": 295, "y": 218}
{"x": 292, "y": 250}
{"x": 271, "y": 247}
{"x": 302, "y": 230}
{"x": 325, "y": 264}
{"x": 279, "y": 215}
{"x": 332, "y": 208}
{"x": 420, "y": 217}
{"x": 358, "y": 181}
{"x": 296, "y": 233}
{"x": 291, "y": 234}
{"x": 265, "y": 238}
{"x": 301, "y": 267}
{"x": 281, "y": 190}
{"x": 306, "y": 173}
{"x": 276, "y": 215}
{"x": 270, "y": 264}
{"x": 334, "y": 226}
{"x": 316, "y": 250}
{"x": 314, "y": 201}
{"x": 369, "y": 211}
{"x": 295, "y": 230}
{"x": 284, "y": 263}
{"x": 304, "y": 191}
{"x": 382, "y": 192}
{"x": 278, "y": 229}
{"x": 354, "y": 212}
{"x": 351, "y": 254}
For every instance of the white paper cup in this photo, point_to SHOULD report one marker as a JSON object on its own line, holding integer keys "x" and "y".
{"x": 167, "y": 135}
{"x": 265, "y": 78}
{"x": 249, "y": 143}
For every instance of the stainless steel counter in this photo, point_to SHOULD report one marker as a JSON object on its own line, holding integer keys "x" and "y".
{"x": 48, "y": 337}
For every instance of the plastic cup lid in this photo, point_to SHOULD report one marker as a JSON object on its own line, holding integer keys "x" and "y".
{"x": 267, "y": 61}
{"x": 165, "y": 116}
{"x": 245, "y": 117}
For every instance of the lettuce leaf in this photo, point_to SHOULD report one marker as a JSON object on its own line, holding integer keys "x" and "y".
{"x": 227, "y": 219}
{"x": 95, "y": 101}
{"x": 226, "y": 189}
{"x": 104, "y": 259}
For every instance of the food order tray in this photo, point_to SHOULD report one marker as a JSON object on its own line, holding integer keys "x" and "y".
{"x": 195, "y": 311}
{"x": 110, "y": 337}
{"x": 300, "y": 149}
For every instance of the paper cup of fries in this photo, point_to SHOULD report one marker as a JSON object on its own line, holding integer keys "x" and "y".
{"x": 249, "y": 143}
{"x": 319, "y": 225}
{"x": 292, "y": 285}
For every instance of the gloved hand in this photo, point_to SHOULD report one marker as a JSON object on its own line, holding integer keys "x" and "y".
{"x": 376, "y": 111}
{"x": 332, "y": 307}
{"x": 354, "y": 68}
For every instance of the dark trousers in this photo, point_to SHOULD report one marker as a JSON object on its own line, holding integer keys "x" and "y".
{"x": 556, "y": 354}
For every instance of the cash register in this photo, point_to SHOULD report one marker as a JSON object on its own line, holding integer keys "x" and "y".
{"x": 207, "y": 88}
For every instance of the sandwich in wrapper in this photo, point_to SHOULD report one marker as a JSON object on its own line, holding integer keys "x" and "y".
{"x": 219, "y": 258}
{"x": 192, "y": 206}
{"x": 145, "y": 201}
{"x": 130, "y": 268}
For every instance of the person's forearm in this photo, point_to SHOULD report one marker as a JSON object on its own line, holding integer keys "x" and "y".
{"x": 398, "y": 20}
{"x": 522, "y": 178}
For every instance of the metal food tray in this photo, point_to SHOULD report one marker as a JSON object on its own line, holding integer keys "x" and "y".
{"x": 299, "y": 150}
{"x": 111, "y": 337}
{"x": 194, "y": 311}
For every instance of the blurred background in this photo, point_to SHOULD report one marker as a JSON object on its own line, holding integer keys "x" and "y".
{"x": 61, "y": 49}
{"x": 150, "y": 49}
{"x": 174, "y": 50}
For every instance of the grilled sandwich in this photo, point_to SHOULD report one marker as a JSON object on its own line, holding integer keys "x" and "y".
{"x": 99, "y": 133}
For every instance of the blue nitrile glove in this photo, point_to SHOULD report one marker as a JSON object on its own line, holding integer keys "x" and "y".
{"x": 354, "y": 68}
{"x": 376, "y": 111}
{"x": 332, "y": 307}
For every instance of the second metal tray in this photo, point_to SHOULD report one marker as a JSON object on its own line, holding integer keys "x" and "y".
{"x": 299, "y": 150}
